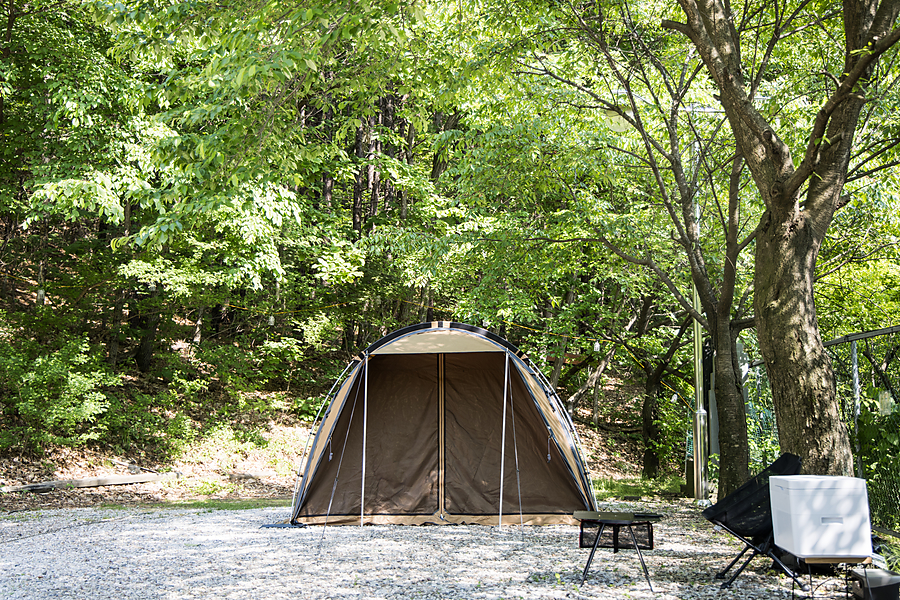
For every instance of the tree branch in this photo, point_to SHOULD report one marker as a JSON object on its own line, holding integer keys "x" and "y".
{"x": 868, "y": 56}
{"x": 664, "y": 277}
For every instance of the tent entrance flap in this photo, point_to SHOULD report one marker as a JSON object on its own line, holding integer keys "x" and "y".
{"x": 424, "y": 438}
{"x": 475, "y": 443}
{"x": 401, "y": 468}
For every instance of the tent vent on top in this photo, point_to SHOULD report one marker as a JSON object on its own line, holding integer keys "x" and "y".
{"x": 437, "y": 423}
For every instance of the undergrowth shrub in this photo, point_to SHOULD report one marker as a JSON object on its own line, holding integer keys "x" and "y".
{"x": 53, "y": 397}
{"x": 234, "y": 366}
{"x": 57, "y": 388}
{"x": 674, "y": 421}
{"x": 153, "y": 423}
{"x": 878, "y": 437}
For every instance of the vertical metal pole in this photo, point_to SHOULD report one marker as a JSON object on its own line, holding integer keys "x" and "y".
{"x": 442, "y": 438}
{"x": 856, "y": 405}
{"x": 362, "y": 492}
{"x": 701, "y": 451}
{"x": 503, "y": 439}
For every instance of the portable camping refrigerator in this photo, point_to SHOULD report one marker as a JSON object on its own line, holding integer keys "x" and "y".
{"x": 815, "y": 516}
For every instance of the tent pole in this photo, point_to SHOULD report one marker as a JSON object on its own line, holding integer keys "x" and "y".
{"x": 304, "y": 458}
{"x": 442, "y": 438}
{"x": 340, "y": 464}
{"x": 362, "y": 492}
{"x": 503, "y": 438}
{"x": 512, "y": 413}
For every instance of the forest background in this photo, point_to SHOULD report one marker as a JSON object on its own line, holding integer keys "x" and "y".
{"x": 207, "y": 210}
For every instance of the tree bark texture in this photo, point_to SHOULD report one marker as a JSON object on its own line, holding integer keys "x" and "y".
{"x": 800, "y": 373}
{"x": 650, "y": 430}
{"x": 360, "y": 184}
{"x": 730, "y": 410}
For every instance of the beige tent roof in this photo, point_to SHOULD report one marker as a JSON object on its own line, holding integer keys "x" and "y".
{"x": 438, "y": 341}
{"x": 436, "y": 423}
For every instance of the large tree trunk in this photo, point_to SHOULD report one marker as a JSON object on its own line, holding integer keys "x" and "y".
{"x": 789, "y": 237}
{"x": 799, "y": 368}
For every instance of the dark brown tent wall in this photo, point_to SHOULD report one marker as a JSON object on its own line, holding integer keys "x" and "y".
{"x": 402, "y": 443}
{"x": 474, "y": 431}
{"x": 436, "y": 434}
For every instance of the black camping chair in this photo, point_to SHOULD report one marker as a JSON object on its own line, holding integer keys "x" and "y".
{"x": 746, "y": 513}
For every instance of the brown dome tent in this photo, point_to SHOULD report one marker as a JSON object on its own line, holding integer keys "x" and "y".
{"x": 424, "y": 423}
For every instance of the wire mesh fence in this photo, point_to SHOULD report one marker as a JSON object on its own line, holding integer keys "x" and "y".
{"x": 867, "y": 376}
{"x": 867, "y": 371}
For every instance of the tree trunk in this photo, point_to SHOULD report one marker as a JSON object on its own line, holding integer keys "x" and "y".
{"x": 373, "y": 176}
{"x": 198, "y": 326}
{"x": 116, "y": 329}
{"x": 558, "y": 362}
{"x": 12, "y": 13}
{"x": 328, "y": 190}
{"x": 41, "y": 291}
{"x": 144, "y": 354}
{"x": 408, "y": 157}
{"x": 359, "y": 184}
{"x": 734, "y": 449}
{"x": 561, "y": 347}
{"x": 799, "y": 368}
{"x": 651, "y": 431}
{"x": 592, "y": 383}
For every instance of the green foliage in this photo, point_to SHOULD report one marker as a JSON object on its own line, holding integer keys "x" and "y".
{"x": 890, "y": 550}
{"x": 235, "y": 367}
{"x": 761, "y": 428}
{"x": 858, "y": 276}
{"x": 53, "y": 398}
{"x": 155, "y": 424}
{"x": 219, "y": 154}
{"x": 674, "y": 422}
{"x": 878, "y": 437}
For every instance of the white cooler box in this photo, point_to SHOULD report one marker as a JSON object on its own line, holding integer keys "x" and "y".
{"x": 816, "y": 516}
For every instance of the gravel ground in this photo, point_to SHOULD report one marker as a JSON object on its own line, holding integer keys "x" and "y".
{"x": 199, "y": 553}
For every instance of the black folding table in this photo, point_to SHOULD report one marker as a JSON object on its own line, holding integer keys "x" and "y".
{"x": 617, "y": 520}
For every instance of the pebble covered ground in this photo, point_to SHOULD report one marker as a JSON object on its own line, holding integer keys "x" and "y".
{"x": 181, "y": 554}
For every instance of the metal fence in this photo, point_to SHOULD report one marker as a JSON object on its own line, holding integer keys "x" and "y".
{"x": 867, "y": 376}
{"x": 867, "y": 373}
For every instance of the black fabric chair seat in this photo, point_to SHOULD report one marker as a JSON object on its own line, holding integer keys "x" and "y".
{"x": 746, "y": 513}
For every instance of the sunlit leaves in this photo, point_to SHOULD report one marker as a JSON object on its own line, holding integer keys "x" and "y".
{"x": 64, "y": 104}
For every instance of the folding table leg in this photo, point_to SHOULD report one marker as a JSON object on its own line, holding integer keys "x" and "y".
{"x": 641, "y": 556}
{"x": 591, "y": 556}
